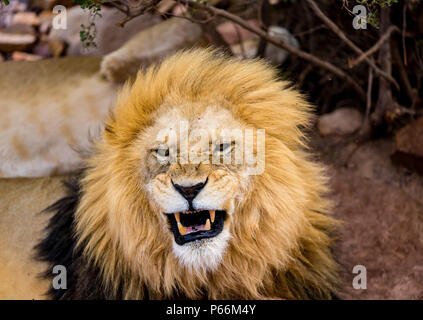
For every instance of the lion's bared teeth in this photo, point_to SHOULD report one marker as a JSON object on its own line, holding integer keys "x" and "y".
{"x": 212, "y": 215}
{"x": 207, "y": 225}
{"x": 177, "y": 217}
{"x": 182, "y": 229}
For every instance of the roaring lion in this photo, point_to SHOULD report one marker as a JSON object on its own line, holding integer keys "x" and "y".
{"x": 150, "y": 219}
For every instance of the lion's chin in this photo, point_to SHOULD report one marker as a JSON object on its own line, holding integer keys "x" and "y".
{"x": 189, "y": 226}
{"x": 205, "y": 254}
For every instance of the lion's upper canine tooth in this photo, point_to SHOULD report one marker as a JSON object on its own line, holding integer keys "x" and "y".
{"x": 177, "y": 216}
{"x": 207, "y": 226}
{"x": 212, "y": 215}
{"x": 182, "y": 229}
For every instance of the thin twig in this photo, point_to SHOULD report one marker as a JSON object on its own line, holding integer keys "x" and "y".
{"x": 385, "y": 102}
{"x": 240, "y": 40}
{"x": 404, "y": 27}
{"x": 126, "y": 7}
{"x": 369, "y": 95}
{"x": 312, "y": 30}
{"x": 264, "y": 20}
{"x": 344, "y": 38}
{"x": 411, "y": 92}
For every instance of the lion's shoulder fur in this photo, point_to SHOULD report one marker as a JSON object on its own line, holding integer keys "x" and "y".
{"x": 290, "y": 256}
{"x": 58, "y": 248}
{"x": 21, "y": 227}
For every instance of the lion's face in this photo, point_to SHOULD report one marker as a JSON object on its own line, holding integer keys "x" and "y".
{"x": 194, "y": 179}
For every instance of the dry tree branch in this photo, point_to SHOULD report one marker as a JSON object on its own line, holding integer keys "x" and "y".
{"x": 123, "y": 8}
{"x": 127, "y": 7}
{"x": 264, "y": 19}
{"x": 240, "y": 40}
{"x": 150, "y": 5}
{"x": 404, "y": 27}
{"x": 365, "y": 128}
{"x": 311, "y": 30}
{"x": 385, "y": 103}
{"x": 351, "y": 44}
{"x": 375, "y": 47}
{"x": 411, "y": 92}
{"x": 279, "y": 43}
{"x": 207, "y": 24}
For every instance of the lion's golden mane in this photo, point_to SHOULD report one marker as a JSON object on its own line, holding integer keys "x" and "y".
{"x": 281, "y": 235}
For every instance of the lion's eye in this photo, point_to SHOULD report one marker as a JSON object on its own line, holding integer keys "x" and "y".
{"x": 162, "y": 152}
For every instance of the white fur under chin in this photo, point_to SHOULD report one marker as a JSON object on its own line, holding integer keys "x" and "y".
{"x": 205, "y": 254}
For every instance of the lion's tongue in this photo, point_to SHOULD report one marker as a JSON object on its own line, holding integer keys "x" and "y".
{"x": 195, "y": 228}
{"x": 187, "y": 230}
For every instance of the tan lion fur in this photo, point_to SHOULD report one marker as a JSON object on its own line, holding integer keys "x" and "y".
{"x": 21, "y": 228}
{"x": 280, "y": 231}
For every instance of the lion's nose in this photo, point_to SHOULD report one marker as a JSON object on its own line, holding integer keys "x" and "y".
{"x": 189, "y": 192}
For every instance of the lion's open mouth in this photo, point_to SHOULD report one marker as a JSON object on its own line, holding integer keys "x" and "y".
{"x": 189, "y": 226}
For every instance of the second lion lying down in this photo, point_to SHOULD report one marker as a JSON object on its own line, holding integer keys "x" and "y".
{"x": 153, "y": 216}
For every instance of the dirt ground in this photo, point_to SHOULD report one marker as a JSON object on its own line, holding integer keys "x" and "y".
{"x": 381, "y": 207}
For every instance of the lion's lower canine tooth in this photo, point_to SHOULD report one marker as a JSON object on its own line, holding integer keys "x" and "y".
{"x": 177, "y": 217}
{"x": 212, "y": 215}
{"x": 207, "y": 227}
{"x": 182, "y": 229}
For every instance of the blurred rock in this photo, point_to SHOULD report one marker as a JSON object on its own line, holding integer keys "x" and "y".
{"x": 248, "y": 48}
{"x": 8, "y": 11}
{"x": 109, "y": 37}
{"x": 179, "y": 10}
{"x": 49, "y": 4}
{"x": 340, "y": 122}
{"x": 17, "y": 37}
{"x": 23, "y": 56}
{"x": 275, "y": 54}
{"x": 148, "y": 46}
{"x": 165, "y": 6}
{"x": 229, "y": 33}
{"x": 409, "y": 146}
{"x": 28, "y": 18}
